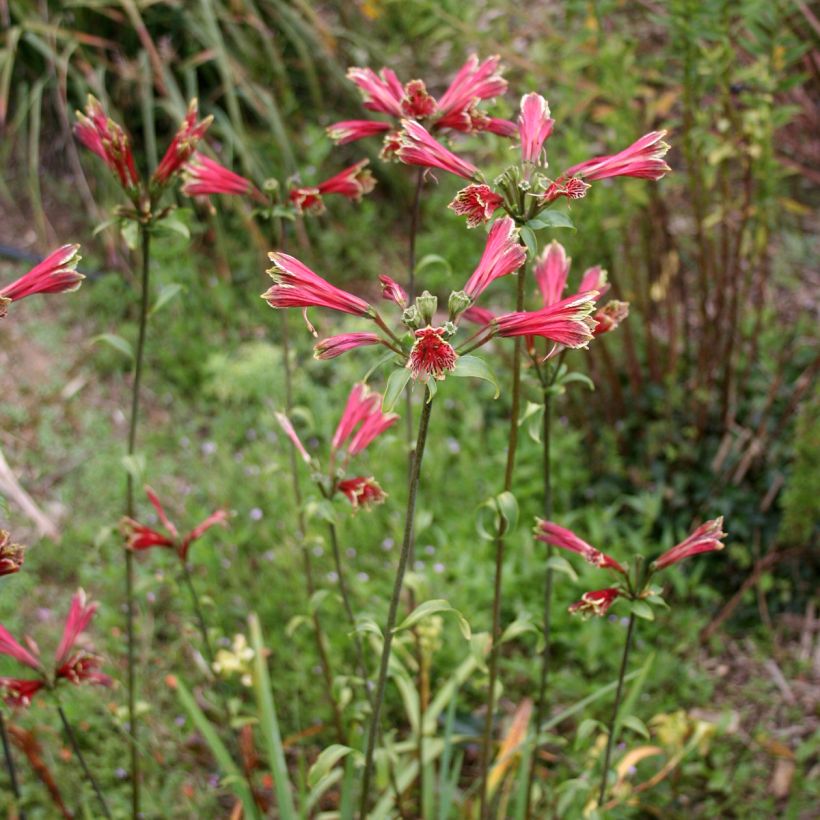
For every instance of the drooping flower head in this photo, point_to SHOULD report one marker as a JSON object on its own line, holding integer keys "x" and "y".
{"x": 57, "y": 273}
{"x": 503, "y": 254}
{"x": 182, "y": 146}
{"x": 706, "y": 538}
{"x": 100, "y": 134}
{"x": 352, "y": 183}
{"x": 431, "y": 355}
{"x": 610, "y": 316}
{"x": 393, "y": 291}
{"x": 11, "y": 555}
{"x": 141, "y": 537}
{"x": 597, "y": 602}
{"x": 557, "y": 536}
{"x": 361, "y": 492}
{"x": 534, "y": 126}
{"x": 76, "y": 667}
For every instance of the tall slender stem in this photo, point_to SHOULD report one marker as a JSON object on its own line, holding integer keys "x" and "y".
{"x": 15, "y": 786}
{"x": 617, "y": 705}
{"x": 415, "y": 213}
{"x": 512, "y": 445}
{"x": 145, "y": 242}
{"x": 72, "y": 739}
{"x": 378, "y": 699}
{"x": 200, "y": 617}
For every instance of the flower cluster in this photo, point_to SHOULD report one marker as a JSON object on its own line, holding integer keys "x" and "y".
{"x": 57, "y": 273}
{"x": 634, "y": 584}
{"x": 141, "y": 537}
{"x": 11, "y": 555}
{"x": 75, "y": 667}
{"x": 360, "y": 424}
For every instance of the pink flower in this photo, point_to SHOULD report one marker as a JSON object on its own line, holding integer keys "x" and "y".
{"x": 140, "y": 537}
{"x": 204, "y": 176}
{"x": 594, "y": 278}
{"x": 477, "y": 203}
{"x": 478, "y": 315}
{"x": 183, "y": 145}
{"x": 417, "y": 147}
{"x": 55, "y": 274}
{"x": 76, "y": 668}
{"x": 362, "y": 411}
{"x": 11, "y": 555}
{"x": 534, "y": 126}
{"x": 551, "y": 271}
{"x": 476, "y": 80}
{"x": 351, "y": 130}
{"x": 100, "y": 134}
{"x": 570, "y": 188}
{"x": 567, "y": 322}
{"x": 502, "y": 255}
{"x": 284, "y": 423}
{"x": 372, "y": 426}
{"x": 431, "y": 355}
{"x": 551, "y": 533}
{"x": 416, "y": 102}
{"x": 362, "y": 492}
{"x": 610, "y": 316}
{"x": 390, "y": 147}
{"x": 352, "y": 183}
{"x": 706, "y": 538}
{"x": 296, "y": 285}
{"x": 335, "y": 346}
{"x": 504, "y": 128}
{"x": 596, "y": 602}
{"x": 393, "y": 291}
{"x": 643, "y": 159}
{"x": 382, "y": 92}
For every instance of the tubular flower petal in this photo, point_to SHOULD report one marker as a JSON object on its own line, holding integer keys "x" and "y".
{"x": 596, "y": 602}
{"x": 287, "y": 427}
{"x": 83, "y": 668}
{"x": 371, "y": 428}
{"x": 381, "y": 92}
{"x": 570, "y": 188}
{"x": 362, "y": 492}
{"x": 431, "y": 355}
{"x": 218, "y": 517}
{"x": 475, "y": 80}
{"x": 204, "y": 176}
{"x": 390, "y": 147}
{"x": 416, "y": 102}
{"x": 352, "y": 183}
{"x": 361, "y": 403}
{"x": 643, "y": 159}
{"x": 140, "y": 537}
{"x": 183, "y": 145}
{"x": 351, "y": 130}
{"x": 335, "y": 346}
{"x": 417, "y": 147}
{"x": 478, "y": 315}
{"x": 706, "y": 538}
{"x": 55, "y": 274}
{"x": 19, "y": 691}
{"x": 551, "y": 271}
{"x": 610, "y": 316}
{"x": 551, "y": 533}
{"x": 393, "y": 291}
{"x": 567, "y": 322}
{"x": 296, "y": 285}
{"x": 504, "y": 128}
{"x": 9, "y": 646}
{"x": 100, "y": 134}
{"x": 534, "y": 126}
{"x": 80, "y": 614}
{"x": 502, "y": 255}
{"x": 594, "y": 278}
{"x": 477, "y": 203}
{"x": 11, "y": 555}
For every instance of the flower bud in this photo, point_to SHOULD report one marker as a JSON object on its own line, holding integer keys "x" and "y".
{"x": 410, "y": 318}
{"x": 458, "y": 302}
{"x": 426, "y": 305}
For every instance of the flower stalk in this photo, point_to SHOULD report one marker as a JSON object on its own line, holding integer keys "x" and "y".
{"x": 378, "y": 697}
{"x": 15, "y": 786}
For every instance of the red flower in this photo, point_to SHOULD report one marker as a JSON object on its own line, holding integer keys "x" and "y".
{"x": 140, "y": 537}
{"x": 417, "y": 147}
{"x": 478, "y": 315}
{"x": 79, "y": 667}
{"x": 570, "y": 188}
{"x": 363, "y": 410}
{"x": 551, "y": 533}
{"x": 534, "y": 126}
{"x": 567, "y": 322}
{"x": 643, "y": 159}
{"x": 205, "y": 176}
{"x": 352, "y": 183}
{"x": 183, "y": 145}
{"x": 352, "y": 130}
{"x": 476, "y": 80}
{"x": 610, "y": 316}
{"x": 431, "y": 355}
{"x": 100, "y": 134}
{"x": 296, "y": 285}
{"x": 393, "y": 291}
{"x": 551, "y": 271}
{"x": 416, "y": 102}
{"x": 55, "y": 274}
{"x": 335, "y": 346}
{"x": 706, "y": 538}
{"x": 287, "y": 427}
{"x": 382, "y": 92}
{"x": 594, "y": 278}
{"x": 596, "y": 602}
{"x": 11, "y": 555}
{"x": 477, "y": 203}
{"x": 362, "y": 492}
{"x": 502, "y": 255}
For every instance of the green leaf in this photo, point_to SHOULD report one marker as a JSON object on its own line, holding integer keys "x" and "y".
{"x": 642, "y": 610}
{"x": 396, "y": 383}
{"x": 468, "y": 367}
{"x": 428, "y": 608}
{"x": 557, "y": 563}
{"x": 586, "y": 728}
{"x": 577, "y": 377}
{"x": 637, "y": 725}
{"x": 365, "y": 624}
{"x": 117, "y": 342}
{"x": 432, "y": 259}
{"x": 529, "y": 239}
{"x": 326, "y": 761}
{"x": 166, "y": 293}
{"x": 172, "y": 223}
{"x": 135, "y": 466}
{"x": 130, "y": 233}
{"x": 316, "y": 599}
{"x": 518, "y": 627}
{"x": 508, "y": 508}
{"x": 550, "y": 219}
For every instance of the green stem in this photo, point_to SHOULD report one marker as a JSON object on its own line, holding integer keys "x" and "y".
{"x": 145, "y": 241}
{"x": 378, "y": 698}
{"x": 512, "y": 444}
{"x": 200, "y": 617}
{"x": 86, "y": 771}
{"x": 15, "y": 786}
{"x": 415, "y": 212}
{"x": 612, "y": 723}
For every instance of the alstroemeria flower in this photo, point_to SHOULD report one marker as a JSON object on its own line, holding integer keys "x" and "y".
{"x": 362, "y": 492}
{"x": 567, "y": 322}
{"x": 597, "y": 602}
{"x": 57, "y": 273}
{"x": 418, "y": 147}
{"x": 558, "y": 536}
{"x": 534, "y": 126}
{"x": 431, "y": 355}
{"x": 100, "y": 134}
{"x": 477, "y": 202}
{"x": 11, "y": 555}
{"x": 140, "y": 537}
{"x": 393, "y": 291}
{"x": 610, "y": 316}
{"x": 644, "y": 159}
{"x": 503, "y": 254}
{"x": 352, "y": 130}
{"x": 182, "y": 146}
{"x": 706, "y": 538}
{"x": 205, "y": 177}
{"x": 352, "y": 183}
{"x": 335, "y": 346}
{"x": 75, "y": 667}
{"x": 296, "y": 285}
